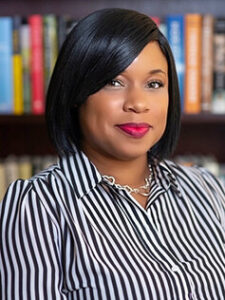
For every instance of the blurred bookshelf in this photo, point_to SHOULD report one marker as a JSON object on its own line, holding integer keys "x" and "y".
{"x": 26, "y": 134}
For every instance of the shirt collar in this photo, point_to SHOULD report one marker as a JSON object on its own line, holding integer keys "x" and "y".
{"x": 80, "y": 171}
{"x": 84, "y": 176}
{"x": 164, "y": 176}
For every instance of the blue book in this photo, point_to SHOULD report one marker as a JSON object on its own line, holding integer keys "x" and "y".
{"x": 176, "y": 38}
{"x": 6, "y": 66}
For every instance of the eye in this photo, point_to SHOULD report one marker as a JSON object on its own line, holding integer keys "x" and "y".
{"x": 115, "y": 83}
{"x": 155, "y": 84}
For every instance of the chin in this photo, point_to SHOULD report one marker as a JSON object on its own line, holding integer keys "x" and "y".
{"x": 130, "y": 154}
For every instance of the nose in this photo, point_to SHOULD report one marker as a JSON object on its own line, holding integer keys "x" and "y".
{"x": 137, "y": 100}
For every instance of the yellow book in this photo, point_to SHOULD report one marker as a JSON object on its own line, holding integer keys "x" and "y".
{"x": 3, "y": 185}
{"x": 17, "y": 68}
{"x": 25, "y": 167}
{"x": 18, "y": 84}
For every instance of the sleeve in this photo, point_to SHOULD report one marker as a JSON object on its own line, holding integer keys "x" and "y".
{"x": 30, "y": 262}
{"x": 217, "y": 191}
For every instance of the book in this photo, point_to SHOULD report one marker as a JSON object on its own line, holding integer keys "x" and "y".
{"x": 175, "y": 36}
{"x": 160, "y": 22}
{"x": 6, "y": 74}
{"x": 218, "y": 102}
{"x": 193, "y": 52}
{"x": 50, "y": 46}
{"x": 62, "y": 22}
{"x": 65, "y": 24}
{"x": 37, "y": 64}
{"x": 70, "y": 24}
{"x": 48, "y": 160}
{"x": 17, "y": 67}
{"x": 156, "y": 19}
{"x": 11, "y": 169}
{"x": 206, "y": 161}
{"x": 26, "y": 52}
{"x": 3, "y": 185}
{"x": 163, "y": 27}
{"x": 207, "y": 62}
{"x": 25, "y": 167}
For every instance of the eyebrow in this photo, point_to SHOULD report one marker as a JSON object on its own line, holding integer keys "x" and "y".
{"x": 152, "y": 72}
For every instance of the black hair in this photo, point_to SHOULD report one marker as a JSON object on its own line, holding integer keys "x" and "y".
{"x": 97, "y": 49}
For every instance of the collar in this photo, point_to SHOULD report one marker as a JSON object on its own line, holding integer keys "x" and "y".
{"x": 84, "y": 176}
{"x": 164, "y": 175}
{"x": 80, "y": 171}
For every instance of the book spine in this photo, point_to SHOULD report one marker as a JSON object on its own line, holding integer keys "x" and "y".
{"x": 50, "y": 47}
{"x": 218, "y": 103}
{"x": 62, "y": 21}
{"x": 6, "y": 75}
{"x": 37, "y": 64}
{"x": 175, "y": 36}
{"x": 207, "y": 62}
{"x": 156, "y": 19}
{"x": 193, "y": 52}
{"x": 3, "y": 185}
{"x": 17, "y": 67}
{"x": 160, "y": 22}
{"x": 25, "y": 52}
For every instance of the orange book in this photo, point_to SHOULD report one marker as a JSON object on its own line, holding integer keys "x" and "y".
{"x": 193, "y": 60}
{"x": 207, "y": 61}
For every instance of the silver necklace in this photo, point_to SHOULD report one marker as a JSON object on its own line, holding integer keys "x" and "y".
{"x": 143, "y": 190}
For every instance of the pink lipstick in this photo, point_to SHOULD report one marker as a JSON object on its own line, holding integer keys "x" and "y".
{"x": 136, "y": 130}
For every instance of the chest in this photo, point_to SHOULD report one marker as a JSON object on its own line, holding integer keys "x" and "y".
{"x": 125, "y": 252}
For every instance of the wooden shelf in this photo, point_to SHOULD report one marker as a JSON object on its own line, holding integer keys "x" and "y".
{"x": 202, "y": 134}
{"x": 203, "y": 118}
{"x": 26, "y": 134}
{"x": 22, "y": 120}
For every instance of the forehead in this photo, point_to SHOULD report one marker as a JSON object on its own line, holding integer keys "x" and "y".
{"x": 150, "y": 58}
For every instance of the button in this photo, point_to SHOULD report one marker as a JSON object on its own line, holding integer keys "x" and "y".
{"x": 192, "y": 296}
{"x": 175, "y": 268}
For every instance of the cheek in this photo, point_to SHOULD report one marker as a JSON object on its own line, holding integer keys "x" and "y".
{"x": 91, "y": 120}
{"x": 161, "y": 108}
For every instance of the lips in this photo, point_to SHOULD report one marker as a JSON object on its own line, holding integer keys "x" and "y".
{"x": 136, "y": 130}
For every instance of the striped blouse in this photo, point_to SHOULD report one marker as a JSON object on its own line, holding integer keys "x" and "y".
{"x": 65, "y": 236}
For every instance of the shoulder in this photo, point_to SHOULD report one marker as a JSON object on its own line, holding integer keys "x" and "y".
{"x": 38, "y": 193}
{"x": 195, "y": 175}
{"x": 200, "y": 185}
{"x": 22, "y": 187}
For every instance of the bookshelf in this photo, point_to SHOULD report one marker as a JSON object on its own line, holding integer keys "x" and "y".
{"x": 200, "y": 134}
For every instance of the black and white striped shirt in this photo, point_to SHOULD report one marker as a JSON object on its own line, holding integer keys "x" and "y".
{"x": 64, "y": 236}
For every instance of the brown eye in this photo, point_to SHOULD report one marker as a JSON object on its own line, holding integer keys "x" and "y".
{"x": 155, "y": 84}
{"x": 114, "y": 82}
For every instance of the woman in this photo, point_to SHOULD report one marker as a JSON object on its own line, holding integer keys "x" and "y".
{"x": 113, "y": 219}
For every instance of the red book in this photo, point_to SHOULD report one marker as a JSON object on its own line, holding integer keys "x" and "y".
{"x": 37, "y": 64}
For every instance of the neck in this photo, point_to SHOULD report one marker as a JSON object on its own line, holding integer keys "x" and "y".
{"x": 132, "y": 172}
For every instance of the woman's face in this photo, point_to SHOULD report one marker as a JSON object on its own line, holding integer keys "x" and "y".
{"x": 128, "y": 116}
